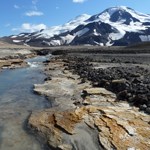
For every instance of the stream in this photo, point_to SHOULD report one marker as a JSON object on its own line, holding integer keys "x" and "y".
{"x": 17, "y": 101}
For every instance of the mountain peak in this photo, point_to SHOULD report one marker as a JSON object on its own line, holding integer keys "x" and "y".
{"x": 80, "y": 18}
{"x": 112, "y": 10}
{"x": 120, "y": 14}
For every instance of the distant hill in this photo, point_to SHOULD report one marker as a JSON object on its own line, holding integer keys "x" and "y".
{"x": 140, "y": 45}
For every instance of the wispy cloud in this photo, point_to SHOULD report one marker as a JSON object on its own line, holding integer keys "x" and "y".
{"x": 34, "y": 2}
{"x": 27, "y": 27}
{"x": 16, "y": 6}
{"x": 79, "y": 1}
{"x": 34, "y": 10}
{"x": 34, "y": 13}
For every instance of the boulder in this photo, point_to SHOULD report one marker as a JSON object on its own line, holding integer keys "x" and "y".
{"x": 98, "y": 91}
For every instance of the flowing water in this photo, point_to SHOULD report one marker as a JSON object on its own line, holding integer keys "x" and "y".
{"x": 17, "y": 101}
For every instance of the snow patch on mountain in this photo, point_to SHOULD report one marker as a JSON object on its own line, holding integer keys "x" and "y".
{"x": 55, "y": 42}
{"x": 115, "y": 36}
{"x": 17, "y": 41}
{"x": 14, "y": 36}
{"x": 22, "y": 34}
{"x": 145, "y": 38}
{"x": 67, "y": 39}
{"x": 142, "y": 17}
{"x": 82, "y": 32}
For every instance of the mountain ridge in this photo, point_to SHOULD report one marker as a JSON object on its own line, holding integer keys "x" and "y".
{"x": 115, "y": 26}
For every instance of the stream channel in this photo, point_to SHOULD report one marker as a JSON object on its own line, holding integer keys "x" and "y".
{"x": 17, "y": 101}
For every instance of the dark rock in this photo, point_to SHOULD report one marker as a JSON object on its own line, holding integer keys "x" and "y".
{"x": 136, "y": 80}
{"x": 118, "y": 85}
{"x": 140, "y": 99}
{"x": 123, "y": 95}
{"x": 148, "y": 103}
{"x": 135, "y": 75}
{"x": 43, "y": 52}
{"x": 148, "y": 110}
{"x": 47, "y": 78}
{"x": 46, "y": 61}
{"x": 143, "y": 107}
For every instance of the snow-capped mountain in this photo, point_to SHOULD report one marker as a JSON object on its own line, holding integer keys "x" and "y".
{"x": 114, "y": 26}
{"x": 56, "y": 30}
{"x": 127, "y": 26}
{"x": 42, "y": 37}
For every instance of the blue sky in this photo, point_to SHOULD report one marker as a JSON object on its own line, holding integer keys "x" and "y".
{"x": 30, "y": 15}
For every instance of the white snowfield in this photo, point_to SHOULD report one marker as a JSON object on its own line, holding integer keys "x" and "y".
{"x": 55, "y": 30}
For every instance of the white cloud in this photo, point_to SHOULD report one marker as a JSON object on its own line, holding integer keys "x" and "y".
{"x": 34, "y": 13}
{"x": 79, "y": 1}
{"x": 16, "y": 6}
{"x": 27, "y": 27}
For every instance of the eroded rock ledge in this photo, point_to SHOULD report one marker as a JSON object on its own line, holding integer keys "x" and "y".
{"x": 14, "y": 57}
{"x": 90, "y": 121}
{"x": 12, "y": 63}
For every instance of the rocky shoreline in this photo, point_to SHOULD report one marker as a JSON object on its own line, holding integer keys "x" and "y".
{"x": 85, "y": 113}
{"x": 14, "y": 58}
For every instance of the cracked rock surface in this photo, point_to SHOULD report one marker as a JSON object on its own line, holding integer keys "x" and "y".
{"x": 84, "y": 117}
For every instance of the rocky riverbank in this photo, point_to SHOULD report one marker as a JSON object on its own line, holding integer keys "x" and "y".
{"x": 14, "y": 57}
{"x": 130, "y": 82}
{"x": 85, "y": 113}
